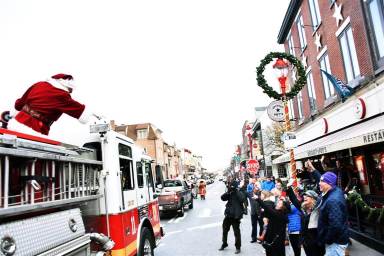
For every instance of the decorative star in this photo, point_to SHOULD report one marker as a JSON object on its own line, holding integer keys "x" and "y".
{"x": 337, "y": 14}
{"x": 317, "y": 41}
{"x": 304, "y": 61}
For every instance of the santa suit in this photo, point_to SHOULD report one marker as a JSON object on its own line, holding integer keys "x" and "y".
{"x": 44, "y": 102}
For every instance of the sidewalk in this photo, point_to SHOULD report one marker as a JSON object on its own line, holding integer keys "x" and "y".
{"x": 360, "y": 249}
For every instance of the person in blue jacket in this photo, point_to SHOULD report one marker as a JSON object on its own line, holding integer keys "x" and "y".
{"x": 268, "y": 184}
{"x": 294, "y": 229}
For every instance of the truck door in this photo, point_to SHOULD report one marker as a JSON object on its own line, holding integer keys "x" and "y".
{"x": 142, "y": 186}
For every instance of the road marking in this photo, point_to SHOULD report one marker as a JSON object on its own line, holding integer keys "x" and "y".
{"x": 205, "y": 213}
{"x": 211, "y": 225}
{"x": 173, "y": 232}
{"x": 172, "y": 220}
{"x": 181, "y": 218}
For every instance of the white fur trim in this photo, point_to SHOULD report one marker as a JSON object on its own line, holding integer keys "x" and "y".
{"x": 57, "y": 84}
{"x": 85, "y": 116}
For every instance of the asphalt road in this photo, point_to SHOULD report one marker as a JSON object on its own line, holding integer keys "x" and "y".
{"x": 198, "y": 233}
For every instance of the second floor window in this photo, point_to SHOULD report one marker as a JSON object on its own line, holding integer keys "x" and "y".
{"x": 291, "y": 45}
{"x": 300, "y": 105}
{"x": 142, "y": 134}
{"x": 315, "y": 13}
{"x": 311, "y": 93}
{"x": 348, "y": 51}
{"x": 327, "y": 85}
{"x": 300, "y": 28}
{"x": 376, "y": 13}
{"x": 291, "y": 109}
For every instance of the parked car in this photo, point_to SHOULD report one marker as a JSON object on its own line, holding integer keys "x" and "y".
{"x": 174, "y": 196}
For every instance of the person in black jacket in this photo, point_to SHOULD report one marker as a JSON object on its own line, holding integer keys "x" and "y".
{"x": 234, "y": 210}
{"x": 274, "y": 243}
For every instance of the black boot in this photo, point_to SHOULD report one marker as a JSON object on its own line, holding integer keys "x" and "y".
{"x": 223, "y": 246}
{"x": 237, "y": 251}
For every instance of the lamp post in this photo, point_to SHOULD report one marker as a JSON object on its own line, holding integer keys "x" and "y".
{"x": 281, "y": 68}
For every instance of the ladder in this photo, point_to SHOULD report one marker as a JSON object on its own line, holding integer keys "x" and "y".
{"x": 36, "y": 175}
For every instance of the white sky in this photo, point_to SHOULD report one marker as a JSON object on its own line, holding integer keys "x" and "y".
{"x": 186, "y": 66}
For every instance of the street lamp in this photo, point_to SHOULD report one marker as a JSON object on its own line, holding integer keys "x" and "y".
{"x": 281, "y": 70}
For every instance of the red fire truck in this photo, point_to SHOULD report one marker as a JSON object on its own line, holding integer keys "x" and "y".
{"x": 58, "y": 199}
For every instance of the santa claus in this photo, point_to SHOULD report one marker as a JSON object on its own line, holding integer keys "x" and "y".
{"x": 44, "y": 102}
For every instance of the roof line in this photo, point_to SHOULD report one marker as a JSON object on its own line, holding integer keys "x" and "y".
{"x": 293, "y": 7}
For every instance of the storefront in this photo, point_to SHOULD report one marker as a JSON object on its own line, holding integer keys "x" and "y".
{"x": 360, "y": 149}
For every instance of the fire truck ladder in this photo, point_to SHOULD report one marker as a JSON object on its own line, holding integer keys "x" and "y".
{"x": 35, "y": 176}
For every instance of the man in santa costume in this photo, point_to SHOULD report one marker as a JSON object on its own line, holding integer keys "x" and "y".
{"x": 43, "y": 104}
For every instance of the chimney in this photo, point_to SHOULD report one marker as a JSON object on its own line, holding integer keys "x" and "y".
{"x": 113, "y": 125}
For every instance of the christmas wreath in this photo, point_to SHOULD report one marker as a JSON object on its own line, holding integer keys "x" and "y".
{"x": 299, "y": 84}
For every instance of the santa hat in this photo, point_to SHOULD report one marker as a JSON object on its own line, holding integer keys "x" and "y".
{"x": 65, "y": 80}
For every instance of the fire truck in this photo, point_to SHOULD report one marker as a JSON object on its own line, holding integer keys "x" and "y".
{"x": 58, "y": 199}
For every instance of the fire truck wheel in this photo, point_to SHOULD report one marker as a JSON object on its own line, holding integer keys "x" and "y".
{"x": 146, "y": 243}
{"x": 181, "y": 212}
{"x": 191, "y": 204}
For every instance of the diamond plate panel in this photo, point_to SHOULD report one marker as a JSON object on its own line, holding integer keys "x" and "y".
{"x": 36, "y": 235}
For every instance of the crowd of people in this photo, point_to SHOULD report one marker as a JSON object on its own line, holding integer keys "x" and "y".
{"x": 314, "y": 219}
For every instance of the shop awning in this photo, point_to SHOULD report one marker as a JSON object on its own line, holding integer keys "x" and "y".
{"x": 361, "y": 134}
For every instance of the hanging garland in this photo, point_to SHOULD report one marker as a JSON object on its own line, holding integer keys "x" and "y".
{"x": 375, "y": 215}
{"x": 299, "y": 84}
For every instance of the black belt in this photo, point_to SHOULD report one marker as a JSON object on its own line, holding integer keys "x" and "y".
{"x": 35, "y": 114}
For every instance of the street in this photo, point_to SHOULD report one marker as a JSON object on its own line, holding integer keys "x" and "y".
{"x": 198, "y": 232}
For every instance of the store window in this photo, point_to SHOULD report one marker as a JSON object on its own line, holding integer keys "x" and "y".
{"x": 348, "y": 51}
{"x": 300, "y": 28}
{"x": 378, "y": 173}
{"x": 315, "y": 13}
{"x": 282, "y": 172}
{"x": 327, "y": 85}
{"x": 376, "y": 19}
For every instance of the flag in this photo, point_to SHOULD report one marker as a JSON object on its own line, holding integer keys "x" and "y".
{"x": 342, "y": 89}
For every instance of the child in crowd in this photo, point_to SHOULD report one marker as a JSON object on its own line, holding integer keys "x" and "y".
{"x": 269, "y": 200}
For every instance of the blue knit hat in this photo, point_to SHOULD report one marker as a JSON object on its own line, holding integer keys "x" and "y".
{"x": 329, "y": 178}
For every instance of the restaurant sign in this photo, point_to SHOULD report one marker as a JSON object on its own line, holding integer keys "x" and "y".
{"x": 374, "y": 137}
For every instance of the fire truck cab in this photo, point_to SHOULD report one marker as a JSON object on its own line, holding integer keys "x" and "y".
{"x": 58, "y": 199}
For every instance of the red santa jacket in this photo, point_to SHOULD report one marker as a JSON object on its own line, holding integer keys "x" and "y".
{"x": 42, "y": 104}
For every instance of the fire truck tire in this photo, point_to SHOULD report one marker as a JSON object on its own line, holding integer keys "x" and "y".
{"x": 181, "y": 211}
{"x": 191, "y": 204}
{"x": 146, "y": 243}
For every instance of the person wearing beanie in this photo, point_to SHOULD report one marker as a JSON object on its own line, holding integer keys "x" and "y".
{"x": 43, "y": 104}
{"x": 333, "y": 219}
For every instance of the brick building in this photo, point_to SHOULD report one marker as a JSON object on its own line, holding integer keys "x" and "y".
{"x": 345, "y": 38}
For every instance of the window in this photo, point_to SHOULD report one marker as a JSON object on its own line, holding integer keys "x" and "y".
{"x": 291, "y": 109}
{"x": 300, "y": 28}
{"x": 315, "y": 13}
{"x": 126, "y": 174}
{"x": 376, "y": 16}
{"x": 142, "y": 134}
{"x": 291, "y": 46}
{"x": 348, "y": 51}
{"x": 300, "y": 104}
{"x": 125, "y": 150}
{"x": 328, "y": 87}
{"x": 140, "y": 175}
{"x": 281, "y": 171}
{"x": 148, "y": 173}
{"x": 311, "y": 93}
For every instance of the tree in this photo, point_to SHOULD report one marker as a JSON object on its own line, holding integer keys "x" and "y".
{"x": 273, "y": 135}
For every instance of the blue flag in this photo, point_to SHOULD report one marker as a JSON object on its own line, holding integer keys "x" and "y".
{"x": 342, "y": 89}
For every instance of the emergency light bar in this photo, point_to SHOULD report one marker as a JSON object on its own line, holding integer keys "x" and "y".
{"x": 99, "y": 128}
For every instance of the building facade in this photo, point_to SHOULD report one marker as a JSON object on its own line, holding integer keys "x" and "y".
{"x": 340, "y": 42}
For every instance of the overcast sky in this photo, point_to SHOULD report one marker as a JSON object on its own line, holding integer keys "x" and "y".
{"x": 188, "y": 67}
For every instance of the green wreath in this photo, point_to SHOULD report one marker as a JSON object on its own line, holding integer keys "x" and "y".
{"x": 299, "y": 84}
